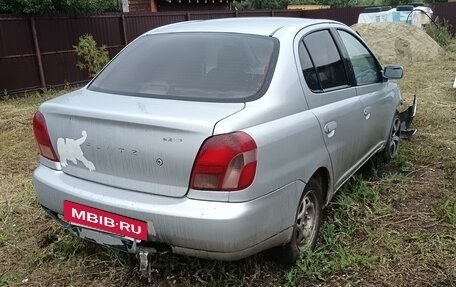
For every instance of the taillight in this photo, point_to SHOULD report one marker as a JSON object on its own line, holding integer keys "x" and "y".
{"x": 225, "y": 162}
{"x": 42, "y": 137}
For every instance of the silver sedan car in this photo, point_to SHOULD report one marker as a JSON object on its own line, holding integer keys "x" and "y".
{"x": 216, "y": 139}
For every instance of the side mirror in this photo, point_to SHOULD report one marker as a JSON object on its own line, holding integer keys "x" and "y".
{"x": 393, "y": 72}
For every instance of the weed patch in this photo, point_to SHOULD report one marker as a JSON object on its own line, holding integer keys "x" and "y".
{"x": 447, "y": 211}
{"x": 434, "y": 245}
{"x": 440, "y": 31}
{"x": 5, "y": 280}
{"x": 340, "y": 249}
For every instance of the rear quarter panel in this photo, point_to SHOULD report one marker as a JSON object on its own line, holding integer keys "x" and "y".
{"x": 288, "y": 136}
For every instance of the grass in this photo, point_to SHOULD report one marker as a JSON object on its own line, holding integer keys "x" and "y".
{"x": 441, "y": 32}
{"x": 355, "y": 202}
{"x": 431, "y": 245}
{"x": 390, "y": 225}
{"x": 447, "y": 211}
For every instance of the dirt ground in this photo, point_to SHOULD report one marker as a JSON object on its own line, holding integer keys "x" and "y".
{"x": 390, "y": 41}
{"x": 393, "y": 225}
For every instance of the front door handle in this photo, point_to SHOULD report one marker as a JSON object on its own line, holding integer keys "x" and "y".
{"x": 367, "y": 112}
{"x": 330, "y": 129}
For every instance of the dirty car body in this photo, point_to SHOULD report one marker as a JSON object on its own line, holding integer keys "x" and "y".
{"x": 200, "y": 137}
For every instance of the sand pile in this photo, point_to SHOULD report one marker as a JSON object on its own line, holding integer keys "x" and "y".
{"x": 391, "y": 42}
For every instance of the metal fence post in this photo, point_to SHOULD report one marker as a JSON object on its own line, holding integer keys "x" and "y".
{"x": 124, "y": 30}
{"x": 38, "y": 53}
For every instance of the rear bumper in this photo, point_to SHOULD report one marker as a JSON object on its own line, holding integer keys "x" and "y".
{"x": 208, "y": 229}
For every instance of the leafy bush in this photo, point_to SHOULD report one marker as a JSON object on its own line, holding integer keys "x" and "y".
{"x": 260, "y": 4}
{"x": 93, "y": 58}
{"x": 440, "y": 31}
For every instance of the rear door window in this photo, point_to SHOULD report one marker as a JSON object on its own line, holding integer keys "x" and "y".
{"x": 192, "y": 66}
{"x": 328, "y": 63}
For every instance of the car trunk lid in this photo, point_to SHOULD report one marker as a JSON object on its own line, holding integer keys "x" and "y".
{"x": 143, "y": 144}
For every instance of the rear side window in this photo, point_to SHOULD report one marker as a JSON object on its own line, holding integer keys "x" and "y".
{"x": 308, "y": 69}
{"x": 191, "y": 66}
{"x": 326, "y": 58}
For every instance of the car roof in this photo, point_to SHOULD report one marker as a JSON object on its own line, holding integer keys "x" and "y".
{"x": 265, "y": 26}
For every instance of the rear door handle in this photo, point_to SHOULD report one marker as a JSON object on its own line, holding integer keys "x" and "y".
{"x": 330, "y": 129}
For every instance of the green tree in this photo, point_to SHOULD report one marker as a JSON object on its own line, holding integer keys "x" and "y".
{"x": 52, "y": 6}
{"x": 261, "y": 4}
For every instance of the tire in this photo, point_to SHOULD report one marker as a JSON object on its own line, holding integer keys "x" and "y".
{"x": 394, "y": 138}
{"x": 306, "y": 228}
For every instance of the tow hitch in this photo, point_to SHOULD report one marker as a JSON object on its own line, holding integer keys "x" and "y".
{"x": 145, "y": 263}
{"x": 406, "y": 120}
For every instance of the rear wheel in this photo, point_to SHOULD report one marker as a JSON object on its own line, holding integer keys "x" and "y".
{"x": 306, "y": 227}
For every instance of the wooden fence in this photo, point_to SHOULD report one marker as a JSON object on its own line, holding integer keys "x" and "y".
{"x": 36, "y": 52}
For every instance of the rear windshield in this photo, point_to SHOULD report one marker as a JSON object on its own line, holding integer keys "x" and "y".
{"x": 192, "y": 66}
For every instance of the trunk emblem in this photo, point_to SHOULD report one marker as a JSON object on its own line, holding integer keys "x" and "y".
{"x": 70, "y": 150}
{"x": 159, "y": 161}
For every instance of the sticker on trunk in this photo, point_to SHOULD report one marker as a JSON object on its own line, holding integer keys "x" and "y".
{"x": 70, "y": 150}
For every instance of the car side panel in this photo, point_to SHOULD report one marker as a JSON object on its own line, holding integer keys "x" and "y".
{"x": 346, "y": 145}
{"x": 339, "y": 113}
{"x": 379, "y": 106}
{"x": 379, "y": 101}
{"x": 289, "y": 149}
{"x": 288, "y": 136}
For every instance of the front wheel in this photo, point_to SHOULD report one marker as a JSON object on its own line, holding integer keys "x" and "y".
{"x": 392, "y": 145}
{"x": 307, "y": 225}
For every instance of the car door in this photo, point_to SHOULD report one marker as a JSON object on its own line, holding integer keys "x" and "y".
{"x": 332, "y": 98}
{"x": 374, "y": 92}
